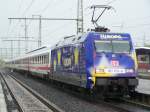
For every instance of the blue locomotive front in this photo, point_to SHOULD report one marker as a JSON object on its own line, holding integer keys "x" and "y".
{"x": 105, "y": 62}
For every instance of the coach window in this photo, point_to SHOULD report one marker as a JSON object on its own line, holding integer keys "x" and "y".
{"x": 35, "y": 60}
{"x": 29, "y": 60}
{"x": 32, "y": 60}
{"x": 26, "y": 61}
{"x": 43, "y": 59}
{"x": 38, "y": 60}
{"x": 46, "y": 59}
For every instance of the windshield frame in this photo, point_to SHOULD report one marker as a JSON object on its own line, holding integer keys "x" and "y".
{"x": 112, "y": 46}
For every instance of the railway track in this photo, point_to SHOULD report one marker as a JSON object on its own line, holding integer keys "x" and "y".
{"x": 121, "y": 106}
{"x": 27, "y": 99}
{"x": 128, "y": 105}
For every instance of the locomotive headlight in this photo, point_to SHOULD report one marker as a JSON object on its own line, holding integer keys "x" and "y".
{"x": 129, "y": 70}
{"x": 99, "y": 70}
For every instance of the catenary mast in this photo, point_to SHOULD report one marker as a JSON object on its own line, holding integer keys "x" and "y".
{"x": 80, "y": 17}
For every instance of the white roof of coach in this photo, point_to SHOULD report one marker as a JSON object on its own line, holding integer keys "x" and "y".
{"x": 35, "y": 52}
{"x": 148, "y": 48}
{"x": 39, "y": 52}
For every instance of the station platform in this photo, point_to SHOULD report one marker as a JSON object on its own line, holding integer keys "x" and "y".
{"x": 144, "y": 75}
{"x": 144, "y": 86}
{"x": 3, "y": 106}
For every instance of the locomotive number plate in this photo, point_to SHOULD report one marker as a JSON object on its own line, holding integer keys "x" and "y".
{"x": 115, "y": 71}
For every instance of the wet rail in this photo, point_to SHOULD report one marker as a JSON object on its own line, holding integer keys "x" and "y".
{"x": 27, "y": 99}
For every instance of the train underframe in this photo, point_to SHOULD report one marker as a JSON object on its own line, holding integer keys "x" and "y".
{"x": 104, "y": 87}
{"x": 115, "y": 86}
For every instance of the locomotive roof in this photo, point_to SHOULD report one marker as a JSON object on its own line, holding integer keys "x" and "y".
{"x": 70, "y": 40}
{"x": 73, "y": 40}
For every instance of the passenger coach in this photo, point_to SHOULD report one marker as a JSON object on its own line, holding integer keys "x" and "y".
{"x": 143, "y": 56}
{"x": 36, "y": 62}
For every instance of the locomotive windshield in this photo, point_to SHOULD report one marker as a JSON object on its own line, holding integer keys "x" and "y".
{"x": 121, "y": 46}
{"x": 103, "y": 46}
{"x": 112, "y": 46}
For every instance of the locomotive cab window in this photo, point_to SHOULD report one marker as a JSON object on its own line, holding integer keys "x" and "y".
{"x": 103, "y": 46}
{"x": 112, "y": 46}
{"x": 121, "y": 46}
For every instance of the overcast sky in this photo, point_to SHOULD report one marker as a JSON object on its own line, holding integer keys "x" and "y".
{"x": 131, "y": 16}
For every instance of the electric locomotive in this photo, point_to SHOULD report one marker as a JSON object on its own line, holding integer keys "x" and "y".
{"x": 105, "y": 62}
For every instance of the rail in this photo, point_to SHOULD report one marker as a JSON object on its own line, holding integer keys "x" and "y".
{"x": 27, "y": 99}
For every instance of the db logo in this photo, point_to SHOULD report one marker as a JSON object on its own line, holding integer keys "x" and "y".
{"x": 115, "y": 63}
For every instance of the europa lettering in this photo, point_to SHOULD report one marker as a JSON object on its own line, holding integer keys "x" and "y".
{"x": 110, "y": 36}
